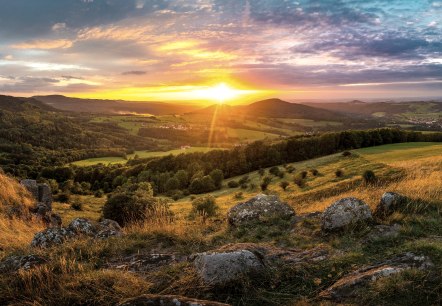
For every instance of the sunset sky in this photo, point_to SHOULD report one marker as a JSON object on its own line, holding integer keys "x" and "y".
{"x": 179, "y": 49}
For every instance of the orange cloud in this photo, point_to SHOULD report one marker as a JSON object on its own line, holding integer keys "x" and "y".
{"x": 44, "y": 44}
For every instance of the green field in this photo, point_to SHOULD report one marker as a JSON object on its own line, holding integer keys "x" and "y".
{"x": 140, "y": 154}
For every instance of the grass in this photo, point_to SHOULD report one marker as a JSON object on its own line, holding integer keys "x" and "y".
{"x": 140, "y": 154}
{"x": 77, "y": 272}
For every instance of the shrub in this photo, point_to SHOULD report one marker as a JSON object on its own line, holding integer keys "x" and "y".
{"x": 217, "y": 178}
{"x": 244, "y": 186}
{"x": 233, "y": 184}
{"x": 99, "y": 193}
{"x": 245, "y": 179}
{"x": 261, "y": 172}
{"x": 339, "y": 173}
{"x": 298, "y": 180}
{"x": 346, "y": 153}
{"x": 77, "y": 204}
{"x": 369, "y": 177}
{"x": 274, "y": 170}
{"x": 290, "y": 169}
{"x": 303, "y": 174}
{"x": 63, "y": 197}
{"x": 284, "y": 185}
{"x": 281, "y": 174}
{"x": 133, "y": 203}
{"x": 265, "y": 183}
{"x": 314, "y": 172}
{"x": 239, "y": 196}
{"x": 204, "y": 206}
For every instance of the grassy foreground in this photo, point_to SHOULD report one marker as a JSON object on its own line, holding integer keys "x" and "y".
{"x": 77, "y": 272}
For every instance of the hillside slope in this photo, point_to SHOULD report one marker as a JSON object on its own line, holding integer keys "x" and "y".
{"x": 114, "y": 106}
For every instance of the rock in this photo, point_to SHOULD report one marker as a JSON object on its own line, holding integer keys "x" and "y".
{"x": 383, "y": 231}
{"x": 108, "y": 228}
{"x": 15, "y": 263}
{"x": 51, "y": 237}
{"x": 345, "y": 212}
{"x": 32, "y": 187}
{"x": 82, "y": 226}
{"x": 348, "y": 285}
{"x": 261, "y": 208}
{"x": 167, "y": 300}
{"x": 45, "y": 195}
{"x": 390, "y": 202}
{"x": 222, "y": 268}
{"x": 42, "y": 193}
{"x": 142, "y": 263}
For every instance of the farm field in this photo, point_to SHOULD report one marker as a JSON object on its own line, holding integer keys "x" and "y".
{"x": 140, "y": 154}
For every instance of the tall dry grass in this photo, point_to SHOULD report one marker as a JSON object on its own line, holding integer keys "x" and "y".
{"x": 422, "y": 181}
{"x": 17, "y": 227}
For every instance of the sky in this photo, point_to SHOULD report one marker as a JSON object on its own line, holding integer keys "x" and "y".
{"x": 167, "y": 50}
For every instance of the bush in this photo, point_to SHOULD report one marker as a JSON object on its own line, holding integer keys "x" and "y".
{"x": 290, "y": 169}
{"x": 261, "y": 172}
{"x": 133, "y": 203}
{"x": 314, "y": 172}
{"x": 284, "y": 185}
{"x": 77, "y": 204}
{"x": 99, "y": 193}
{"x": 204, "y": 206}
{"x": 245, "y": 179}
{"x": 244, "y": 186}
{"x": 233, "y": 184}
{"x": 303, "y": 174}
{"x": 239, "y": 196}
{"x": 274, "y": 170}
{"x": 63, "y": 197}
{"x": 281, "y": 174}
{"x": 265, "y": 183}
{"x": 369, "y": 177}
{"x": 298, "y": 180}
{"x": 339, "y": 173}
{"x": 346, "y": 153}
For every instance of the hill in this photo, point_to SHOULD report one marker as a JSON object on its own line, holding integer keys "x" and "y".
{"x": 272, "y": 108}
{"x": 114, "y": 106}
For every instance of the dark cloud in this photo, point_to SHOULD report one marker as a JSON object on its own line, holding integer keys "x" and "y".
{"x": 135, "y": 72}
{"x": 26, "y": 19}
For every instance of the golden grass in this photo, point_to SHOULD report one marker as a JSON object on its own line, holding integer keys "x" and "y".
{"x": 16, "y": 233}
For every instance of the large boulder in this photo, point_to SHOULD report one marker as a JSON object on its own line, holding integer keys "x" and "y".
{"x": 51, "y": 237}
{"x": 82, "y": 226}
{"x": 16, "y": 263}
{"x": 389, "y": 203}
{"x": 41, "y": 193}
{"x": 349, "y": 285}
{"x": 345, "y": 212}
{"x": 167, "y": 300}
{"x": 261, "y": 208}
{"x": 223, "y": 268}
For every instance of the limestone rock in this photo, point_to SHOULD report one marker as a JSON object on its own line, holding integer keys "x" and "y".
{"x": 383, "y": 231}
{"x": 167, "y": 300}
{"x": 82, "y": 226}
{"x": 51, "y": 237}
{"x": 345, "y": 212}
{"x": 390, "y": 202}
{"x": 15, "y": 263}
{"x": 347, "y": 286}
{"x": 223, "y": 268}
{"x": 259, "y": 209}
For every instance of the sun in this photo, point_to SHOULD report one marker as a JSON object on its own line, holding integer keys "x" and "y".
{"x": 219, "y": 93}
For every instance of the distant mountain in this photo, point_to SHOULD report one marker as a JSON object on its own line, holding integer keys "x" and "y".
{"x": 385, "y": 108}
{"x": 13, "y": 104}
{"x": 114, "y": 106}
{"x": 273, "y": 108}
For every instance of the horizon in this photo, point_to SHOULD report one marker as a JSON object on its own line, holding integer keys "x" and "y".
{"x": 212, "y": 51}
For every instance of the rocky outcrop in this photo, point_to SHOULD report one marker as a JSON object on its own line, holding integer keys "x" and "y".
{"x": 222, "y": 268}
{"x": 143, "y": 263}
{"x": 383, "y": 232}
{"x": 42, "y": 193}
{"x": 14, "y": 264}
{"x": 167, "y": 300}
{"x": 51, "y": 237}
{"x": 79, "y": 227}
{"x": 348, "y": 286}
{"x": 345, "y": 212}
{"x": 262, "y": 208}
{"x": 389, "y": 203}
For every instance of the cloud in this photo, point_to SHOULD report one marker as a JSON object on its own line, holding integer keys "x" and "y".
{"x": 44, "y": 44}
{"x": 135, "y": 72}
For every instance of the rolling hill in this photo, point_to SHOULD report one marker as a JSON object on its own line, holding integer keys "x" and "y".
{"x": 114, "y": 106}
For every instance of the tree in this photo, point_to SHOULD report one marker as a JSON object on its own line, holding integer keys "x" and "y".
{"x": 217, "y": 177}
{"x": 172, "y": 184}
